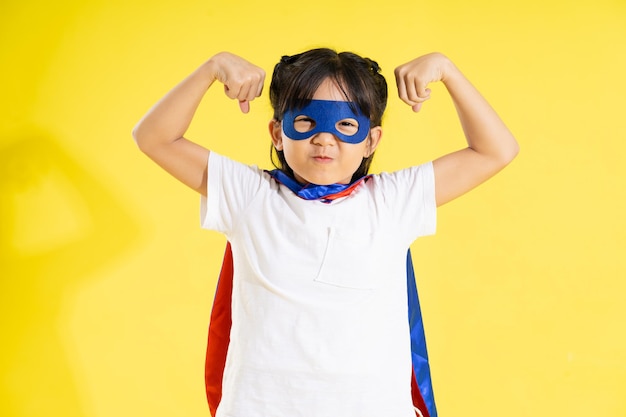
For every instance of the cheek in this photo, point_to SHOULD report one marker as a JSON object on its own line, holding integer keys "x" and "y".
{"x": 367, "y": 149}
{"x": 356, "y": 157}
{"x": 291, "y": 150}
{"x": 364, "y": 149}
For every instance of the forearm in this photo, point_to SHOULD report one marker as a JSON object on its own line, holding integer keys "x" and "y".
{"x": 169, "y": 119}
{"x": 160, "y": 132}
{"x": 484, "y": 131}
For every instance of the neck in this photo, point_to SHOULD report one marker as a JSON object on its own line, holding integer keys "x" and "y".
{"x": 310, "y": 191}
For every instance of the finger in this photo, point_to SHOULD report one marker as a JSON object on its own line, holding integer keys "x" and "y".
{"x": 412, "y": 92}
{"x": 231, "y": 92}
{"x": 244, "y": 105}
{"x": 244, "y": 93}
{"x": 418, "y": 106}
{"x": 415, "y": 99}
{"x": 402, "y": 93}
{"x": 256, "y": 87}
{"x": 419, "y": 91}
{"x": 422, "y": 92}
{"x": 259, "y": 90}
{"x": 255, "y": 90}
{"x": 250, "y": 89}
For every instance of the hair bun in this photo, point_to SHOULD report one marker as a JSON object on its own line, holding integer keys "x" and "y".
{"x": 374, "y": 66}
{"x": 289, "y": 59}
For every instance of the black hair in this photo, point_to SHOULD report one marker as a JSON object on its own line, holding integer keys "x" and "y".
{"x": 297, "y": 77}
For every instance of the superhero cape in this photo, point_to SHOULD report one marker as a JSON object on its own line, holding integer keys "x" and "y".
{"x": 220, "y": 321}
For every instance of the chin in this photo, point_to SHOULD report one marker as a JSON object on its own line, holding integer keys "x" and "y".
{"x": 317, "y": 180}
{"x": 327, "y": 181}
{"x": 322, "y": 178}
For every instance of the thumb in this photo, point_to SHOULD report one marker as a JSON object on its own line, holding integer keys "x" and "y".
{"x": 244, "y": 105}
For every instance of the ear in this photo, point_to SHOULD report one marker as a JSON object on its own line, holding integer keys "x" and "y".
{"x": 276, "y": 132}
{"x": 376, "y": 134}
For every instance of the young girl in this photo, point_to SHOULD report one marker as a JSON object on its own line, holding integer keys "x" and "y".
{"x": 319, "y": 288}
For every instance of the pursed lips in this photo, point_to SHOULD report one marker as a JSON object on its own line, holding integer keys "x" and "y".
{"x": 322, "y": 158}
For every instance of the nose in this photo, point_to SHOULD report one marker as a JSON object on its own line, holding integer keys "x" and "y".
{"x": 324, "y": 139}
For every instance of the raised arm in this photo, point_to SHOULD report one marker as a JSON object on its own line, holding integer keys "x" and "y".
{"x": 491, "y": 146}
{"x": 159, "y": 134}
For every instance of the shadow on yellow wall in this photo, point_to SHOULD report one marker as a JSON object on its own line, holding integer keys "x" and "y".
{"x": 59, "y": 226}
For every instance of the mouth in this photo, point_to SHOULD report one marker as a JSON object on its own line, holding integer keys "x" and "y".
{"x": 322, "y": 158}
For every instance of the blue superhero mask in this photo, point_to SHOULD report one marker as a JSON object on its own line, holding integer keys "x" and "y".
{"x": 325, "y": 116}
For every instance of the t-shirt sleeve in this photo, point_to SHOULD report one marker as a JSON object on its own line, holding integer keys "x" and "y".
{"x": 409, "y": 195}
{"x": 231, "y": 186}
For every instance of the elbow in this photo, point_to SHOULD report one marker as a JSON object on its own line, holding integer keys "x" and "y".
{"x": 136, "y": 134}
{"x": 139, "y": 138}
{"x": 502, "y": 157}
{"x": 511, "y": 153}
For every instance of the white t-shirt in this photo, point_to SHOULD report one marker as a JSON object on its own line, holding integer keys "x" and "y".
{"x": 319, "y": 305}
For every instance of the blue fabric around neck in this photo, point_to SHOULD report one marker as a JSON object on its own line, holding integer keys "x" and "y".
{"x": 308, "y": 191}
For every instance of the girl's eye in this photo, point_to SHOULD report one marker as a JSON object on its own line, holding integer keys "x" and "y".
{"x": 348, "y": 126}
{"x": 303, "y": 124}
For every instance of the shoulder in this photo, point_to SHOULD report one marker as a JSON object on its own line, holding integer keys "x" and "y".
{"x": 423, "y": 175}
{"x": 225, "y": 166}
{"x": 227, "y": 176}
{"x": 409, "y": 190}
{"x": 231, "y": 188}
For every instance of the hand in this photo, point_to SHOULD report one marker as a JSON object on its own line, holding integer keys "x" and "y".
{"x": 413, "y": 78}
{"x": 242, "y": 80}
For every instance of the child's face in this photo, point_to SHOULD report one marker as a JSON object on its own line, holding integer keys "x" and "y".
{"x": 323, "y": 158}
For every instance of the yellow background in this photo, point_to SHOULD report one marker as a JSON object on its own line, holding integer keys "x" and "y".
{"x": 107, "y": 279}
